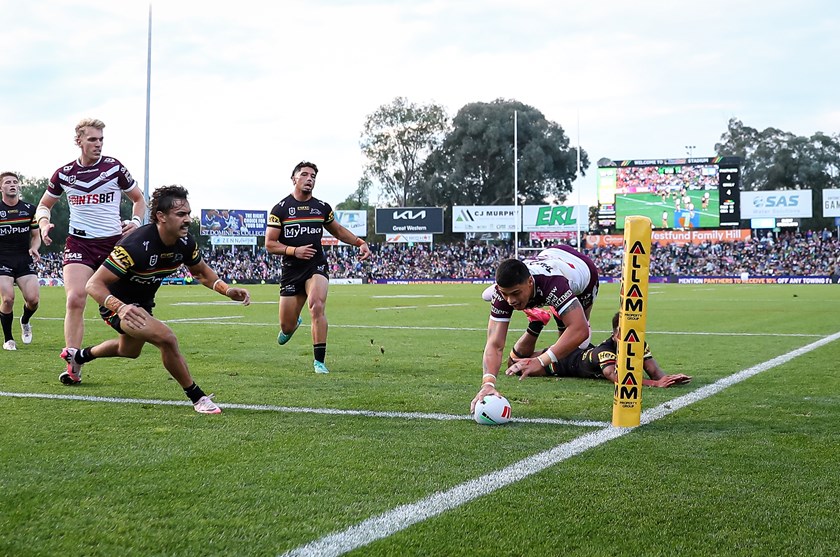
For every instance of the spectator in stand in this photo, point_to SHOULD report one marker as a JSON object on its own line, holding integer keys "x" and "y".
{"x": 793, "y": 254}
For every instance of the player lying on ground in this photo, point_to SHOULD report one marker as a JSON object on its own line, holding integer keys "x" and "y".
{"x": 595, "y": 362}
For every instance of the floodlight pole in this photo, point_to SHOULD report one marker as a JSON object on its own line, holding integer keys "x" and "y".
{"x": 516, "y": 187}
{"x": 579, "y": 246}
{"x": 148, "y": 108}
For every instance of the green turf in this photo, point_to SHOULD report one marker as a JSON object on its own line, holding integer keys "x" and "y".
{"x": 652, "y": 206}
{"x": 750, "y": 471}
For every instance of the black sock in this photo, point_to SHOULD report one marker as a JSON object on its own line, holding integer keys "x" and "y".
{"x": 534, "y": 328}
{"x": 27, "y": 313}
{"x": 6, "y": 320}
{"x": 84, "y": 355}
{"x": 194, "y": 392}
{"x": 320, "y": 351}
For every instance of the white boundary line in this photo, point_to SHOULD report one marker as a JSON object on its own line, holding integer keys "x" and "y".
{"x": 298, "y": 410}
{"x": 400, "y": 518}
{"x": 229, "y": 318}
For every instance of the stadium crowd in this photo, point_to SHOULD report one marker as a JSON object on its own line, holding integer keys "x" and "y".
{"x": 789, "y": 253}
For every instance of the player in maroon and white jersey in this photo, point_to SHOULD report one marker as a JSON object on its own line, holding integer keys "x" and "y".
{"x": 94, "y": 185}
{"x": 561, "y": 278}
{"x": 19, "y": 244}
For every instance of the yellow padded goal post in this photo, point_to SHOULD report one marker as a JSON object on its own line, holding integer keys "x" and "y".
{"x": 627, "y": 399}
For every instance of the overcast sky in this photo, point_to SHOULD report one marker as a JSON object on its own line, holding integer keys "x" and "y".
{"x": 242, "y": 91}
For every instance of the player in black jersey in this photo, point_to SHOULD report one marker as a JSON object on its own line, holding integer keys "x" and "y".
{"x": 19, "y": 244}
{"x": 595, "y": 362}
{"x": 125, "y": 287}
{"x": 294, "y": 230}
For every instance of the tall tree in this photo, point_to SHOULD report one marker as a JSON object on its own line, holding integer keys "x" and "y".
{"x": 359, "y": 199}
{"x": 475, "y": 164}
{"x": 396, "y": 139}
{"x": 741, "y": 141}
{"x": 773, "y": 159}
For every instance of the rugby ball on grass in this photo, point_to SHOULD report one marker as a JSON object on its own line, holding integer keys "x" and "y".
{"x": 492, "y": 410}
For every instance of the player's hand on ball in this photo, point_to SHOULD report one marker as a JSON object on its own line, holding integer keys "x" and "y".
{"x": 239, "y": 295}
{"x": 486, "y": 389}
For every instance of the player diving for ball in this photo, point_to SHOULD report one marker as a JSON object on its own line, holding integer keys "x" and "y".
{"x": 560, "y": 278}
{"x": 594, "y": 362}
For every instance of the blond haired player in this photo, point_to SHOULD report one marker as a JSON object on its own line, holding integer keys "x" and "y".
{"x": 93, "y": 184}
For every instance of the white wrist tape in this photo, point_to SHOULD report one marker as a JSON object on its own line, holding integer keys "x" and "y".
{"x": 42, "y": 212}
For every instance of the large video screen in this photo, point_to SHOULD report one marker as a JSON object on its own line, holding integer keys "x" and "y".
{"x": 679, "y": 194}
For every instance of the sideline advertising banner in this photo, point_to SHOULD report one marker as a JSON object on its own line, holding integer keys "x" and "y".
{"x": 776, "y": 203}
{"x": 408, "y": 238}
{"x": 232, "y": 222}
{"x": 409, "y": 220}
{"x": 485, "y": 218}
{"x": 676, "y": 237}
{"x": 233, "y": 240}
{"x": 354, "y": 221}
{"x": 555, "y": 218}
{"x": 831, "y": 203}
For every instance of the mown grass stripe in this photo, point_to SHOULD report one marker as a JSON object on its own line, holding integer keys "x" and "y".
{"x": 400, "y": 518}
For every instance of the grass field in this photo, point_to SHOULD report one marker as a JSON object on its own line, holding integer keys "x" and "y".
{"x": 651, "y": 205}
{"x": 380, "y": 458}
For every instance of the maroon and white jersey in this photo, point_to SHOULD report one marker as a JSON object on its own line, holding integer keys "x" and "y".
{"x": 561, "y": 275}
{"x": 93, "y": 193}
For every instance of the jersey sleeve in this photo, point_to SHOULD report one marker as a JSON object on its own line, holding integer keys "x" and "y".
{"x": 191, "y": 252}
{"x": 648, "y": 354}
{"x": 54, "y": 188}
{"x": 558, "y": 293}
{"x": 500, "y": 310}
{"x": 33, "y": 224}
{"x": 604, "y": 356}
{"x": 119, "y": 261}
{"x": 125, "y": 180}
{"x": 329, "y": 213}
{"x": 275, "y": 217}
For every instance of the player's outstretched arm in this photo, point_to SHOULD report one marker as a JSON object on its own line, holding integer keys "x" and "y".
{"x": 658, "y": 377}
{"x": 42, "y": 216}
{"x": 209, "y": 278}
{"x": 491, "y": 361}
{"x": 337, "y": 230}
{"x": 577, "y": 330}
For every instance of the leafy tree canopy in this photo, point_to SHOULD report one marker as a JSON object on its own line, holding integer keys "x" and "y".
{"x": 475, "y": 163}
{"x": 396, "y": 139}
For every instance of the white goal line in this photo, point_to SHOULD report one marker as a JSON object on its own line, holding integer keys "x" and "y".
{"x": 299, "y": 410}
